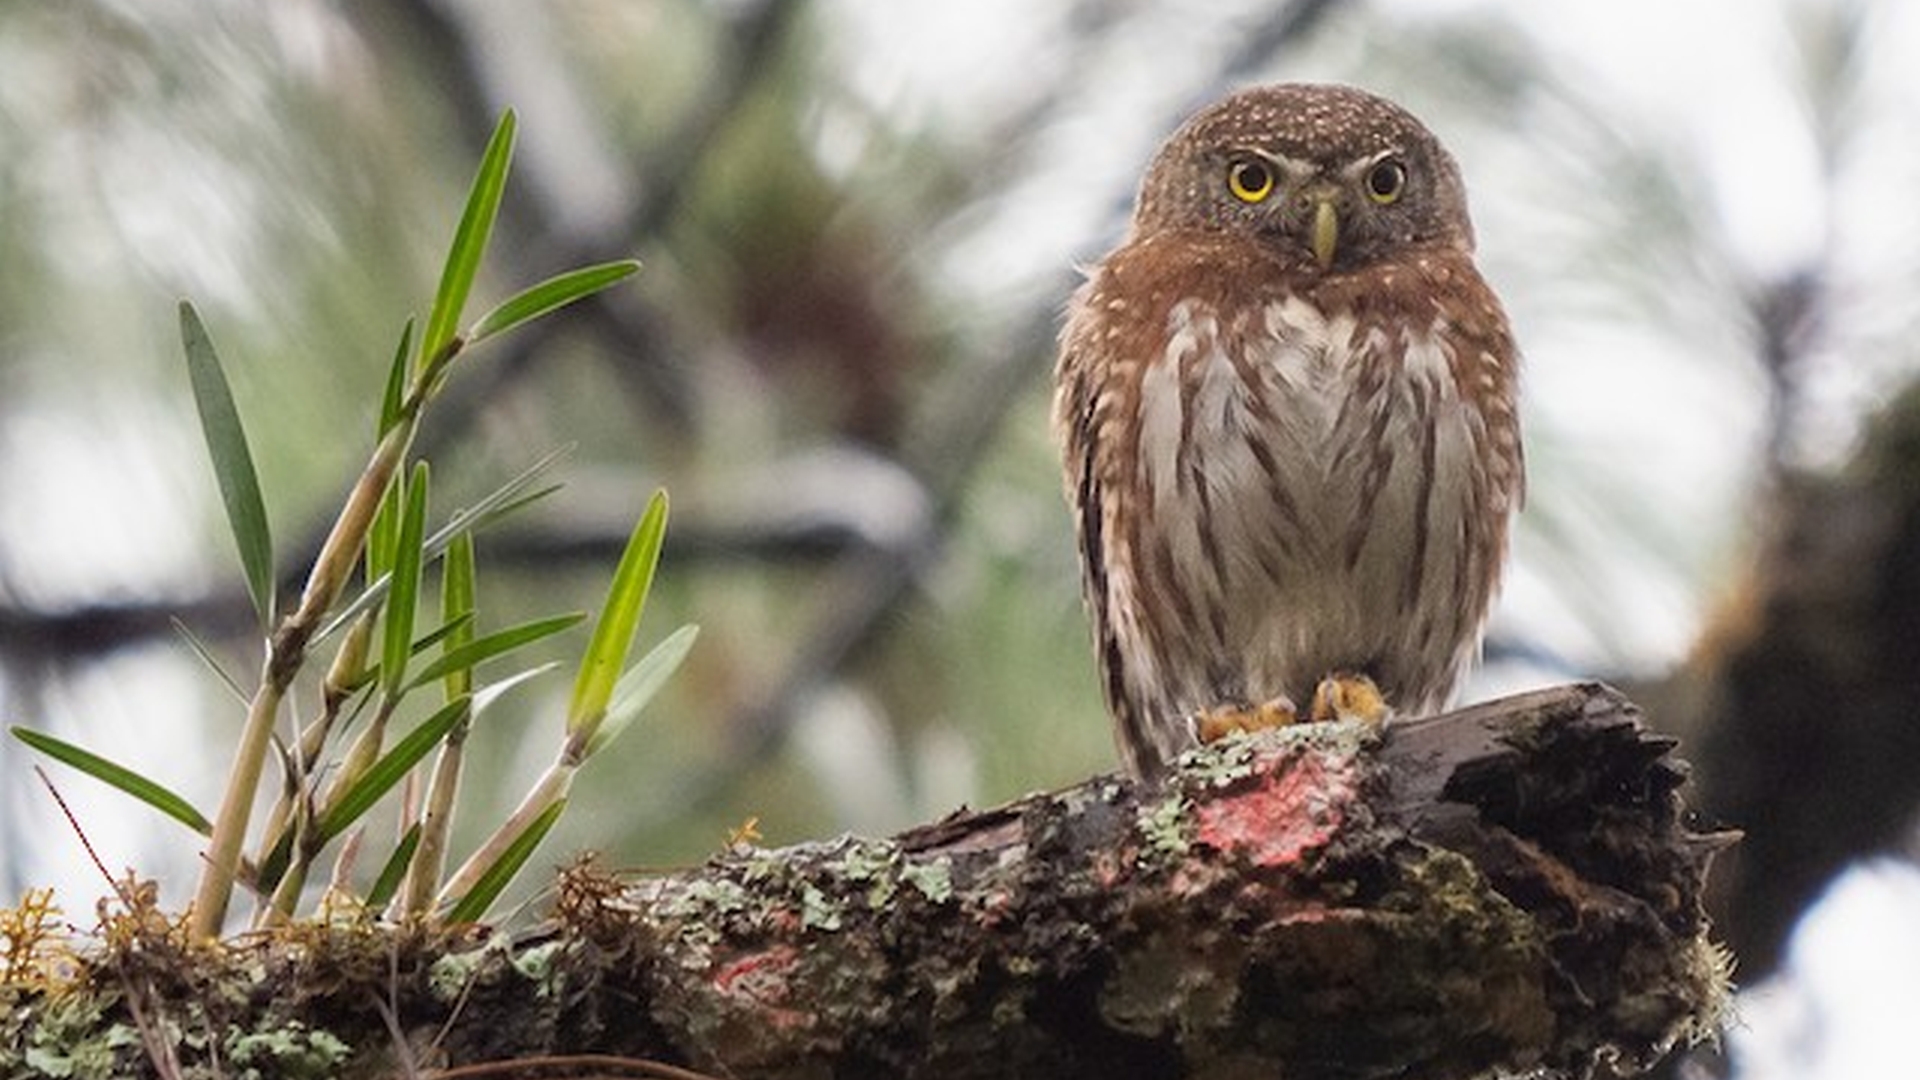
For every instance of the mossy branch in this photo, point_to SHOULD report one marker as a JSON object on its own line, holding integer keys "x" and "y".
{"x": 1507, "y": 888}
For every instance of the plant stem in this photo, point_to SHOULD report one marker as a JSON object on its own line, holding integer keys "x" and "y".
{"x": 286, "y": 652}
{"x": 429, "y": 859}
{"x": 552, "y": 786}
{"x": 230, "y": 826}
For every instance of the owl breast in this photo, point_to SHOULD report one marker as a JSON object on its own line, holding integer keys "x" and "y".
{"x": 1311, "y": 489}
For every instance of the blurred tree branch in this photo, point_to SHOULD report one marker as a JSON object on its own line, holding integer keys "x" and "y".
{"x": 955, "y": 420}
{"x": 1806, "y": 688}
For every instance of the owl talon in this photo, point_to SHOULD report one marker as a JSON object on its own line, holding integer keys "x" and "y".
{"x": 1212, "y": 725}
{"x": 1349, "y": 697}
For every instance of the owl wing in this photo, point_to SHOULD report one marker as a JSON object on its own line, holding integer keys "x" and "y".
{"x": 1082, "y": 401}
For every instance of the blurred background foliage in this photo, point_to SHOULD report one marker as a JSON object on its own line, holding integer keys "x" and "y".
{"x": 859, "y": 221}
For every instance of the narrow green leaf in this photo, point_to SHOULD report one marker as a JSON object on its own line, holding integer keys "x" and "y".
{"x": 232, "y": 461}
{"x": 468, "y": 521}
{"x": 469, "y": 245}
{"x": 206, "y": 656}
{"x": 465, "y": 657}
{"x": 494, "y": 880}
{"x": 641, "y": 682}
{"x": 457, "y": 573}
{"x": 403, "y": 595}
{"x": 147, "y": 791}
{"x": 484, "y": 697}
{"x": 459, "y": 627}
{"x": 388, "y": 770}
{"x": 606, "y": 654}
{"x": 502, "y": 501}
{"x": 394, "y": 871}
{"x": 550, "y": 295}
{"x": 396, "y": 389}
{"x": 383, "y": 535}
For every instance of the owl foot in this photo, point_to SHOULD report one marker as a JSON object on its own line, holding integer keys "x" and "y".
{"x": 1349, "y": 697}
{"x": 1212, "y": 725}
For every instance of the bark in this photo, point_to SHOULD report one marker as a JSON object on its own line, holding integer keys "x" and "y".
{"x": 1508, "y": 887}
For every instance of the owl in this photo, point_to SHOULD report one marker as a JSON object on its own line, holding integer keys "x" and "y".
{"x": 1286, "y": 408}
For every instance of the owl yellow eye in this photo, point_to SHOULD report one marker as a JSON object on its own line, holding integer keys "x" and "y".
{"x": 1385, "y": 181}
{"x": 1250, "y": 181}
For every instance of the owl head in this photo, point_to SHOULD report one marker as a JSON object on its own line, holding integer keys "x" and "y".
{"x": 1327, "y": 175}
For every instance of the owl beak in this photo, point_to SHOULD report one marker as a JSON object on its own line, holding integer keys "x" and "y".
{"x": 1326, "y": 230}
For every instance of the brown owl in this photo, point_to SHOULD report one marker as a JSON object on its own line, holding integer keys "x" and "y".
{"x": 1286, "y": 407}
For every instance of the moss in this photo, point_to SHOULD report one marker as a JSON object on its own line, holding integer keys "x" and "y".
{"x": 1710, "y": 970}
{"x": 1453, "y": 909}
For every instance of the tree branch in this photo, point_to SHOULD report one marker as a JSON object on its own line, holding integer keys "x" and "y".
{"x": 1504, "y": 888}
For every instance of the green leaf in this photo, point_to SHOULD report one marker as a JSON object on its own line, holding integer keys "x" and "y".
{"x": 395, "y": 869}
{"x": 469, "y": 246}
{"x": 456, "y": 603}
{"x": 384, "y": 533}
{"x": 460, "y": 626}
{"x": 396, "y": 390}
{"x": 484, "y": 697}
{"x": 232, "y": 461}
{"x": 466, "y": 656}
{"x": 606, "y": 654}
{"x": 641, "y": 682}
{"x": 147, "y": 791}
{"x": 494, "y": 880}
{"x": 403, "y": 594}
{"x": 550, "y": 295}
{"x": 384, "y": 773}
{"x": 502, "y": 501}
{"x": 388, "y": 770}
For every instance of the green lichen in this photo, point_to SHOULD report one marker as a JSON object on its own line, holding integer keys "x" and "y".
{"x": 718, "y": 896}
{"x": 1162, "y": 826}
{"x": 1232, "y": 759}
{"x": 65, "y": 1039}
{"x": 292, "y": 1051}
{"x": 933, "y": 879}
{"x": 817, "y": 910}
{"x": 538, "y": 964}
{"x": 875, "y": 864}
{"x": 452, "y": 973}
{"x": 691, "y": 908}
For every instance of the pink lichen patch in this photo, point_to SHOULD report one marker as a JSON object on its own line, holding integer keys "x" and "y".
{"x": 991, "y": 908}
{"x": 1295, "y": 807}
{"x": 762, "y": 981}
